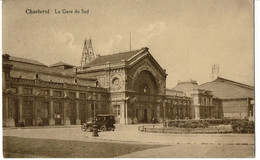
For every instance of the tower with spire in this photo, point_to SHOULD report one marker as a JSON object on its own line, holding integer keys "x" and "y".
{"x": 88, "y": 53}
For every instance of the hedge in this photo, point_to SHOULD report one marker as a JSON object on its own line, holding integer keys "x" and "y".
{"x": 243, "y": 126}
{"x": 189, "y": 124}
{"x": 211, "y": 122}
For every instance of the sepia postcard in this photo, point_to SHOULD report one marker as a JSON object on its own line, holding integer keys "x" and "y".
{"x": 128, "y": 79}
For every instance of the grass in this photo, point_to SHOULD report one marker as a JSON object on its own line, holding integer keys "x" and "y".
{"x": 15, "y": 147}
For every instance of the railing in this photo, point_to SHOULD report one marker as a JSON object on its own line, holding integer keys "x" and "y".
{"x": 177, "y": 130}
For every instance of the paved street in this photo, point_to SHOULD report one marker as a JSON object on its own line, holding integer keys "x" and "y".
{"x": 181, "y": 145}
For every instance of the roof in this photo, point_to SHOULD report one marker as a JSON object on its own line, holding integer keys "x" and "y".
{"x": 61, "y": 64}
{"x": 220, "y": 79}
{"x": 113, "y": 58}
{"x": 174, "y": 92}
{"x": 24, "y": 60}
{"x": 227, "y": 89}
{"x": 186, "y": 86}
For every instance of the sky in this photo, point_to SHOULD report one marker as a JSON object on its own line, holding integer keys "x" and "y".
{"x": 186, "y": 37}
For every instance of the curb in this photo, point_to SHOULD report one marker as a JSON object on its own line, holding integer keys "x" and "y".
{"x": 177, "y": 143}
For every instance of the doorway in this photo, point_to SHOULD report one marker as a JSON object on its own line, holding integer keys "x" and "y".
{"x": 15, "y": 112}
{"x": 28, "y": 113}
{"x": 71, "y": 113}
{"x": 145, "y": 115}
{"x": 117, "y": 113}
{"x": 82, "y": 112}
{"x": 57, "y": 113}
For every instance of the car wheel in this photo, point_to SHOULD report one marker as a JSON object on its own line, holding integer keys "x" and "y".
{"x": 103, "y": 128}
{"x": 83, "y": 128}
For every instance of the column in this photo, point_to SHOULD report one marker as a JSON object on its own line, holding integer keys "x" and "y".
{"x": 179, "y": 112}
{"x": 174, "y": 112}
{"x": 78, "y": 121}
{"x": 201, "y": 112}
{"x": 159, "y": 118}
{"x": 253, "y": 105}
{"x": 21, "y": 120}
{"x": 164, "y": 111}
{"x": 51, "y": 114}
{"x": 9, "y": 120}
{"x": 36, "y": 121}
{"x": 126, "y": 112}
{"x": 197, "y": 112}
{"x": 184, "y": 112}
{"x": 188, "y": 111}
{"x": 66, "y": 119}
{"x": 6, "y": 107}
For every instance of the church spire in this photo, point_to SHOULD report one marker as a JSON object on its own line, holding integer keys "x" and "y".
{"x": 88, "y": 53}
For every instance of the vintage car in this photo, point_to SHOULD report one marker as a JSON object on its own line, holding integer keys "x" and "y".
{"x": 104, "y": 122}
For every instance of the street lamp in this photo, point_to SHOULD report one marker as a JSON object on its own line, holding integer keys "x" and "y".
{"x": 95, "y": 130}
{"x": 93, "y": 99}
{"x": 131, "y": 100}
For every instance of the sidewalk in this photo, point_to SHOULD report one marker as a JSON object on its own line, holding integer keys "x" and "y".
{"x": 130, "y": 134}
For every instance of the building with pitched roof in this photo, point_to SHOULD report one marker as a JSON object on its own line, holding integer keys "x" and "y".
{"x": 236, "y": 99}
{"x": 131, "y": 85}
{"x": 230, "y": 99}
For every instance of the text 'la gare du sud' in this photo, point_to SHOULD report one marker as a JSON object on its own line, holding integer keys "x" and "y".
{"x": 57, "y": 11}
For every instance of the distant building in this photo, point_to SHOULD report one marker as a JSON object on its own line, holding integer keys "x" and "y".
{"x": 235, "y": 98}
{"x": 230, "y": 99}
{"x": 131, "y": 85}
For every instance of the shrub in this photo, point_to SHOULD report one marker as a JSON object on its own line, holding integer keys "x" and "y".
{"x": 243, "y": 126}
{"x": 182, "y": 125}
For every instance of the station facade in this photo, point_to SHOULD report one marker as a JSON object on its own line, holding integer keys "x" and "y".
{"x": 131, "y": 85}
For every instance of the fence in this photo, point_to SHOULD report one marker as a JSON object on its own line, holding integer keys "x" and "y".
{"x": 177, "y": 130}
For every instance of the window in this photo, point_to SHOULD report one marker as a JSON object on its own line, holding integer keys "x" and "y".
{"x": 14, "y": 90}
{"x": 27, "y": 91}
{"x": 72, "y": 94}
{"x": 82, "y": 95}
{"x": 116, "y": 82}
{"x": 57, "y": 110}
{"x": 57, "y": 93}
{"x": 45, "y": 92}
{"x": 117, "y": 110}
{"x": 145, "y": 89}
{"x": 43, "y": 111}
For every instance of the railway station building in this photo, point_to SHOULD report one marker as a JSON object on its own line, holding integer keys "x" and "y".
{"x": 131, "y": 85}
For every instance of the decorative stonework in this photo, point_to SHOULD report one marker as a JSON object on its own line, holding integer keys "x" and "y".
{"x": 116, "y": 82}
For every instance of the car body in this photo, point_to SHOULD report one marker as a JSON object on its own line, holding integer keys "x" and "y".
{"x": 104, "y": 122}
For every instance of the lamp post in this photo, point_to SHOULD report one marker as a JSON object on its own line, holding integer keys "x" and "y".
{"x": 130, "y": 100}
{"x": 9, "y": 119}
{"x": 37, "y": 94}
{"x": 163, "y": 101}
{"x": 95, "y": 129}
{"x": 93, "y": 99}
{"x": 126, "y": 110}
{"x": 133, "y": 100}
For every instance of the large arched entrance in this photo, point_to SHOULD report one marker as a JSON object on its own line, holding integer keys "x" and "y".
{"x": 145, "y": 83}
{"x": 146, "y": 89}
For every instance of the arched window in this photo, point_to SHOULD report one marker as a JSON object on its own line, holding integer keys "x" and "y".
{"x": 144, "y": 89}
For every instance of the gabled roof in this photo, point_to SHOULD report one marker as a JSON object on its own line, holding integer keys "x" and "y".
{"x": 220, "y": 79}
{"x": 24, "y": 60}
{"x": 227, "y": 89}
{"x": 131, "y": 58}
{"x": 114, "y": 58}
{"x": 61, "y": 64}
